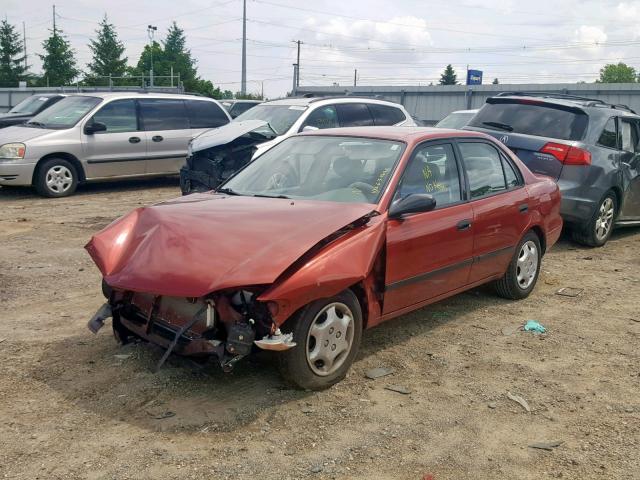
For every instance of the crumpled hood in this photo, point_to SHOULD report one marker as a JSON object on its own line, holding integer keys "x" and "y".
{"x": 18, "y": 133}
{"x": 224, "y": 134}
{"x": 206, "y": 242}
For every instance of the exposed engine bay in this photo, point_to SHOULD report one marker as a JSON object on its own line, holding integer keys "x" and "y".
{"x": 226, "y": 325}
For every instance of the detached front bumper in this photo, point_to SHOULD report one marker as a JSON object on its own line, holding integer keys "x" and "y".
{"x": 192, "y": 181}
{"x": 14, "y": 173}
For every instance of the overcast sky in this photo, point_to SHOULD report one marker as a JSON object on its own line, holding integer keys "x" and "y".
{"x": 399, "y": 42}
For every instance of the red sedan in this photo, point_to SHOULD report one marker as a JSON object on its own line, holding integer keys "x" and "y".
{"x": 324, "y": 235}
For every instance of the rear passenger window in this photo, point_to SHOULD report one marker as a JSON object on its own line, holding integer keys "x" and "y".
{"x": 509, "y": 173}
{"x": 386, "y": 115}
{"x": 484, "y": 168}
{"x": 323, "y": 117}
{"x": 163, "y": 114}
{"x": 354, "y": 115}
{"x": 204, "y": 114}
{"x": 118, "y": 116}
{"x": 608, "y": 137}
{"x": 629, "y": 136}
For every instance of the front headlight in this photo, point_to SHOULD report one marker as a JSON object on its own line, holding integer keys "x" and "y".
{"x": 12, "y": 151}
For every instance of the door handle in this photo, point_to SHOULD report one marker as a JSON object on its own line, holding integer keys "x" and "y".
{"x": 157, "y": 138}
{"x": 134, "y": 139}
{"x": 464, "y": 225}
{"x": 524, "y": 208}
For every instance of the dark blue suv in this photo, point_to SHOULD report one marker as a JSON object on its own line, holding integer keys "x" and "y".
{"x": 589, "y": 147}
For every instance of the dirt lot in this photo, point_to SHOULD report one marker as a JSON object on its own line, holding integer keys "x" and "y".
{"x": 75, "y": 405}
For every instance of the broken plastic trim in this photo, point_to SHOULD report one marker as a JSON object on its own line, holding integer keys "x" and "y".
{"x": 278, "y": 342}
{"x": 98, "y": 319}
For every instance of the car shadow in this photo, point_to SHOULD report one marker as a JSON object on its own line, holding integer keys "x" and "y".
{"x": 112, "y": 186}
{"x": 119, "y": 383}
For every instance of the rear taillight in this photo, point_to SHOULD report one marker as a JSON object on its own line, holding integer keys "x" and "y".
{"x": 567, "y": 154}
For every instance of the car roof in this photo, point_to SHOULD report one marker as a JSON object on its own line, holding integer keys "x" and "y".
{"x": 475, "y": 110}
{"x": 401, "y": 134}
{"x": 110, "y": 95}
{"x": 306, "y": 101}
{"x": 566, "y": 100}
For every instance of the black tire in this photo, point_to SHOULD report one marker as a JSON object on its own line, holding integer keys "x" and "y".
{"x": 588, "y": 233}
{"x": 509, "y": 286}
{"x": 68, "y": 178}
{"x": 294, "y": 366}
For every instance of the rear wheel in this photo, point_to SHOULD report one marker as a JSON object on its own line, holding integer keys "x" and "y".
{"x": 56, "y": 177}
{"x": 328, "y": 334}
{"x": 598, "y": 230}
{"x": 522, "y": 274}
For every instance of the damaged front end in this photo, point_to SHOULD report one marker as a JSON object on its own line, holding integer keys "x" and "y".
{"x": 226, "y": 325}
{"x": 216, "y": 155}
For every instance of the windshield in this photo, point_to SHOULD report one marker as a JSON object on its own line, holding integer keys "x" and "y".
{"x": 455, "y": 120}
{"x": 337, "y": 169}
{"x": 280, "y": 117}
{"x": 29, "y": 105}
{"x": 64, "y": 114}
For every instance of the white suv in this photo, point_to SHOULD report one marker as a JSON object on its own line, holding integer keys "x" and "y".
{"x": 218, "y": 153}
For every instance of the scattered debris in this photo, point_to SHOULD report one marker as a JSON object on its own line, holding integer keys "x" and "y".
{"x": 511, "y": 329}
{"x": 479, "y": 327}
{"x": 161, "y": 416}
{"x": 570, "y": 291}
{"x": 307, "y": 410}
{"x": 637, "y": 320}
{"x": 520, "y": 400}
{"x": 316, "y": 469}
{"x": 379, "y": 372}
{"x": 123, "y": 356}
{"x": 398, "y": 389}
{"x": 2, "y": 340}
{"x": 587, "y": 258}
{"x": 546, "y": 445}
{"x": 440, "y": 315}
{"x": 533, "y": 326}
{"x": 492, "y": 405}
{"x": 428, "y": 476}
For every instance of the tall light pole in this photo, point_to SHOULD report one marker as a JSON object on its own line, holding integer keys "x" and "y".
{"x": 243, "y": 83}
{"x": 151, "y": 30}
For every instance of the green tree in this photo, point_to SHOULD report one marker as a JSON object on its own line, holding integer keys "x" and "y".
{"x": 12, "y": 68}
{"x": 620, "y": 73}
{"x": 58, "y": 61}
{"x": 495, "y": 81}
{"x": 108, "y": 51}
{"x": 449, "y": 76}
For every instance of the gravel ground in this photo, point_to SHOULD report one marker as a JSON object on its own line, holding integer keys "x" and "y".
{"x": 75, "y": 405}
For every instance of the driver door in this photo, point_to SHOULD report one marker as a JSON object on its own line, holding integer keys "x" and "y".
{"x": 630, "y": 166}
{"x": 429, "y": 254}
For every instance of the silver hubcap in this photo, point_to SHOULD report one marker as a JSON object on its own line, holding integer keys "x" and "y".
{"x": 59, "y": 179}
{"x": 527, "y": 266}
{"x": 330, "y": 339}
{"x": 605, "y": 219}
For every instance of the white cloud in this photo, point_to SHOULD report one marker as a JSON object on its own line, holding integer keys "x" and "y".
{"x": 590, "y": 34}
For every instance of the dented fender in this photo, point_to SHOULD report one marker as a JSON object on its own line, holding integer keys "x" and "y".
{"x": 337, "y": 266}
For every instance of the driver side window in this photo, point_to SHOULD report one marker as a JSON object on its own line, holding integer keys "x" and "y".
{"x": 323, "y": 117}
{"x": 118, "y": 116}
{"x": 432, "y": 170}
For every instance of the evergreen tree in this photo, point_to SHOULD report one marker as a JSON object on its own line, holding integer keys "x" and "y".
{"x": 12, "y": 68}
{"x": 448, "y": 77}
{"x": 495, "y": 81}
{"x": 58, "y": 61}
{"x": 108, "y": 53}
{"x": 177, "y": 55}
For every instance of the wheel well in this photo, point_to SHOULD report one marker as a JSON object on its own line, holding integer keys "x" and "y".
{"x": 67, "y": 156}
{"x": 618, "y": 193}
{"x": 359, "y": 292}
{"x": 543, "y": 243}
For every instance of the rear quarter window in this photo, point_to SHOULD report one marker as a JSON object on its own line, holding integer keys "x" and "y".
{"x": 203, "y": 114}
{"x": 542, "y": 120}
{"x": 386, "y": 115}
{"x": 609, "y": 136}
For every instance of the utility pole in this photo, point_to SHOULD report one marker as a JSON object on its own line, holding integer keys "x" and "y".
{"x": 298, "y": 65}
{"x": 54, "y": 20}
{"x": 262, "y": 93}
{"x": 151, "y": 29}
{"x": 243, "y": 83}
{"x": 24, "y": 43}
{"x": 355, "y": 77}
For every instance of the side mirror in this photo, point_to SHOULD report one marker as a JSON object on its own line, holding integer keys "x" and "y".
{"x": 310, "y": 128}
{"x": 414, "y": 203}
{"x": 91, "y": 128}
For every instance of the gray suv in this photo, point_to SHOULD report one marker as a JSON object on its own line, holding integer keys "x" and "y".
{"x": 589, "y": 147}
{"x": 98, "y": 136}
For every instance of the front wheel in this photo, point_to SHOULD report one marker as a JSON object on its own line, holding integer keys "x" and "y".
{"x": 598, "y": 230}
{"x": 522, "y": 273}
{"x": 56, "y": 177}
{"x": 328, "y": 334}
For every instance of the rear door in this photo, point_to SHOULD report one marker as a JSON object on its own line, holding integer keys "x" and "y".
{"x": 168, "y": 131}
{"x": 630, "y": 167}
{"x": 430, "y": 253}
{"x": 530, "y": 128}
{"x": 354, "y": 115}
{"x": 120, "y": 150}
{"x": 500, "y": 207}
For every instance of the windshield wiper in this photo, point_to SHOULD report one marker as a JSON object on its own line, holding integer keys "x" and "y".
{"x": 501, "y": 126}
{"x": 269, "y": 196}
{"x": 36, "y": 124}
{"x": 228, "y": 191}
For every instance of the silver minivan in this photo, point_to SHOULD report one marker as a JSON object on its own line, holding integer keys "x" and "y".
{"x": 98, "y": 136}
